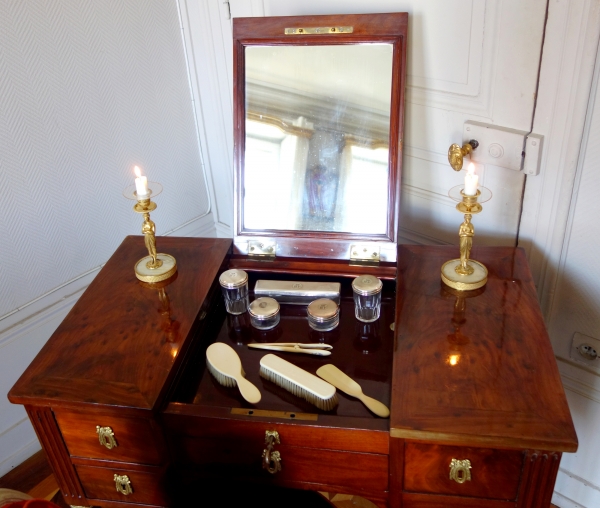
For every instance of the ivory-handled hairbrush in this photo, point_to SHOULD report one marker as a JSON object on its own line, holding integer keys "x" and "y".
{"x": 225, "y": 365}
{"x": 299, "y": 382}
{"x": 337, "y": 378}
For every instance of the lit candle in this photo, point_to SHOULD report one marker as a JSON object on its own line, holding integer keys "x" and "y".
{"x": 471, "y": 180}
{"x": 141, "y": 183}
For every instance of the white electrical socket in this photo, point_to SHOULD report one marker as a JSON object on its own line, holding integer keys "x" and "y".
{"x": 585, "y": 349}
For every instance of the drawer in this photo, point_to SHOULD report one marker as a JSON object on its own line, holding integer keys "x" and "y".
{"x": 147, "y": 487}
{"x": 233, "y": 449}
{"x": 495, "y": 474}
{"x": 137, "y": 440}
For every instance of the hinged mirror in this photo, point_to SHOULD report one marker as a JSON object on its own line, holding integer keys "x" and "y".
{"x": 318, "y": 129}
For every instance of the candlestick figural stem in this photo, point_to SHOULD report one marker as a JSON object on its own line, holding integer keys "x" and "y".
{"x": 465, "y": 274}
{"x": 466, "y": 233}
{"x": 149, "y": 231}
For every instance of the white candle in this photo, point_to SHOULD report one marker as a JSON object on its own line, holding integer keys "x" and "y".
{"x": 471, "y": 180}
{"x": 141, "y": 183}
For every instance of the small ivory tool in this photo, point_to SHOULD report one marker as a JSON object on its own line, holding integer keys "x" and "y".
{"x": 294, "y": 347}
{"x": 226, "y": 367}
{"x": 341, "y": 381}
{"x": 299, "y": 382}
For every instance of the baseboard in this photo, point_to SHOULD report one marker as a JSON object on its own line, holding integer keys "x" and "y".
{"x": 22, "y": 433}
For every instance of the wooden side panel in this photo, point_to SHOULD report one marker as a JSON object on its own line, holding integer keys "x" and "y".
{"x": 539, "y": 476}
{"x": 48, "y": 433}
{"x": 495, "y": 474}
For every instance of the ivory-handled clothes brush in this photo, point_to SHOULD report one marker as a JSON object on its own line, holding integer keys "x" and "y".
{"x": 299, "y": 382}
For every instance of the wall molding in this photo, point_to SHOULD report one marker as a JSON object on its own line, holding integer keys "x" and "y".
{"x": 566, "y": 76}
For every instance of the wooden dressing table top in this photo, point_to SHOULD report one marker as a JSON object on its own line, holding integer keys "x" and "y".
{"x": 117, "y": 347}
{"x": 475, "y": 368}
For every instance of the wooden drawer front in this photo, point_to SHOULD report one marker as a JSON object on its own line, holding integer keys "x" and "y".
{"x": 309, "y": 435}
{"x": 238, "y": 459}
{"x": 138, "y": 440}
{"x": 99, "y": 483}
{"x": 495, "y": 474}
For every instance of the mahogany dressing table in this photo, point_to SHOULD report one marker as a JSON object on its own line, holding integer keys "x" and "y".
{"x": 128, "y": 415}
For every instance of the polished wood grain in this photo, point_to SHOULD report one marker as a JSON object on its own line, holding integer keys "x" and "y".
{"x": 502, "y": 387}
{"x": 265, "y": 31}
{"x": 133, "y": 435}
{"x": 495, "y": 474}
{"x": 119, "y": 346}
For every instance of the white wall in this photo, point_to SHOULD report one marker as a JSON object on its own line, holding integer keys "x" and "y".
{"x": 576, "y": 308}
{"x": 87, "y": 90}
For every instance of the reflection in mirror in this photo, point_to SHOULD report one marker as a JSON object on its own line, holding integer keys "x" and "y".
{"x": 317, "y": 135}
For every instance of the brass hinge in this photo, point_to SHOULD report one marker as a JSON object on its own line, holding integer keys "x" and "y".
{"x": 364, "y": 254}
{"x": 261, "y": 250}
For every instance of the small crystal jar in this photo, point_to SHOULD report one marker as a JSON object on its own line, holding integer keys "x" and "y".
{"x": 367, "y": 298}
{"x": 264, "y": 313}
{"x": 234, "y": 284}
{"x": 323, "y": 315}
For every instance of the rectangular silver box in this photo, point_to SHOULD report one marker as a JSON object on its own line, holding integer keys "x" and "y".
{"x": 297, "y": 293}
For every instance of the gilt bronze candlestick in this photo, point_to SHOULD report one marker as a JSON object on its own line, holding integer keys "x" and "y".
{"x": 465, "y": 274}
{"x": 155, "y": 267}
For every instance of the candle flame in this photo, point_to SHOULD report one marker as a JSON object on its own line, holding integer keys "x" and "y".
{"x": 137, "y": 171}
{"x": 471, "y": 168}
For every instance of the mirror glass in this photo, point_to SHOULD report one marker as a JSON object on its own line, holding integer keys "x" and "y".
{"x": 317, "y": 135}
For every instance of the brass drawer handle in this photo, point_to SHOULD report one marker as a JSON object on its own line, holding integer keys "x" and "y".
{"x": 460, "y": 470}
{"x": 106, "y": 436}
{"x": 271, "y": 458}
{"x": 123, "y": 484}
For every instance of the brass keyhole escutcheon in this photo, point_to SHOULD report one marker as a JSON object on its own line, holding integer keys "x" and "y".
{"x": 106, "y": 437}
{"x": 460, "y": 470}
{"x": 123, "y": 484}
{"x": 271, "y": 459}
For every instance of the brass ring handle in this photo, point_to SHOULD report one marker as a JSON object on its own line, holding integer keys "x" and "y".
{"x": 460, "y": 470}
{"x": 106, "y": 436}
{"x": 271, "y": 458}
{"x": 123, "y": 484}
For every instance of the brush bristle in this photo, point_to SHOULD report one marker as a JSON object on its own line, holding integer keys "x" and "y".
{"x": 324, "y": 404}
{"x": 222, "y": 379}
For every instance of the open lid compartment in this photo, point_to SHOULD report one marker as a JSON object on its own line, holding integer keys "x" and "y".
{"x": 318, "y": 122}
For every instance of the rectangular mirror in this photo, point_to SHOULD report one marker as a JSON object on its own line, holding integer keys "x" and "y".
{"x": 317, "y": 131}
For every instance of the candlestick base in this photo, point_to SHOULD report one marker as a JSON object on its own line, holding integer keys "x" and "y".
{"x": 475, "y": 280}
{"x": 146, "y": 274}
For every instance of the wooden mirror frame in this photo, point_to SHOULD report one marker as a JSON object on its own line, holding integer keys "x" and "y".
{"x": 390, "y": 28}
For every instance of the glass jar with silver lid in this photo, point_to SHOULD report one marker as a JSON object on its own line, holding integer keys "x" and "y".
{"x": 323, "y": 315}
{"x": 264, "y": 313}
{"x": 234, "y": 284}
{"x": 367, "y": 298}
